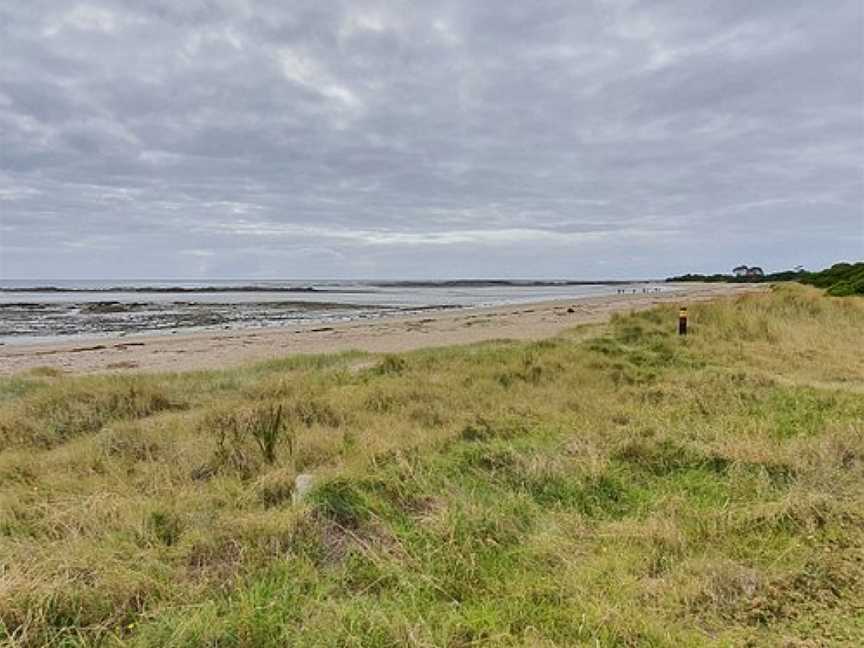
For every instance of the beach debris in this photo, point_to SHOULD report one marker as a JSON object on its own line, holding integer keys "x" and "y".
{"x": 302, "y": 485}
{"x": 98, "y": 347}
{"x": 125, "y": 345}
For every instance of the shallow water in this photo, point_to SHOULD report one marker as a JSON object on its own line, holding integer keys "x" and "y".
{"x": 43, "y": 311}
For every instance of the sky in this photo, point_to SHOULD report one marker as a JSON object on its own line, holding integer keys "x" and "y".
{"x": 450, "y": 139}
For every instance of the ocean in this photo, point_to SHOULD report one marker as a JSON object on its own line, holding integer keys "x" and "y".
{"x": 45, "y": 311}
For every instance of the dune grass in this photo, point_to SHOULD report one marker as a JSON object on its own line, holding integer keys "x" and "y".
{"x": 614, "y": 486}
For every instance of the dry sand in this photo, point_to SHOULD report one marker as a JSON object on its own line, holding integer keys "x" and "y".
{"x": 216, "y": 350}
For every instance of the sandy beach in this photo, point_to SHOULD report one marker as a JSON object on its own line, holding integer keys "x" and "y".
{"x": 215, "y": 350}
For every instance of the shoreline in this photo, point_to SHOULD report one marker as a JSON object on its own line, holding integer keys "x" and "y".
{"x": 224, "y": 349}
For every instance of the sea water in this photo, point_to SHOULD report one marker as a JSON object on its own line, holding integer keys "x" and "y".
{"x": 42, "y": 311}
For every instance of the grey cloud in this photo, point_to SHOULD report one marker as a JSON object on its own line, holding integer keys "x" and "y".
{"x": 548, "y": 138}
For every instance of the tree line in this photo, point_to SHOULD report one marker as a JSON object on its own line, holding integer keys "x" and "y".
{"x": 840, "y": 280}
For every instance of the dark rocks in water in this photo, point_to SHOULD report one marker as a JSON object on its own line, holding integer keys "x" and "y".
{"x": 119, "y": 318}
{"x": 103, "y": 308}
{"x": 24, "y": 306}
{"x": 177, "y": 289}
{"x": 100, "y": 308}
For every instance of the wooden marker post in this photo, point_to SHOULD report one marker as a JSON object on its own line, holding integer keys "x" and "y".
{"x": 682, "y": 321}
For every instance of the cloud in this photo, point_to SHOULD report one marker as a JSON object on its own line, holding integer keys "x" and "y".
{"x": 306, "y": 139}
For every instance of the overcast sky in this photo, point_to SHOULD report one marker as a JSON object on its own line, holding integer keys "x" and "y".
{"x": 481, "y": 138}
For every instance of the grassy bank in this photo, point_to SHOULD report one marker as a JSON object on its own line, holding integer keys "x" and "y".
{"x": 840, "y": 280}
{"x": 617, "y": 485}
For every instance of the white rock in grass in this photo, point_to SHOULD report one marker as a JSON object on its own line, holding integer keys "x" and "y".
{"x": 302, "y": 485}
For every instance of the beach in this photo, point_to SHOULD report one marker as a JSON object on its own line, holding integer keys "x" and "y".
{"x": 433, "y": 328}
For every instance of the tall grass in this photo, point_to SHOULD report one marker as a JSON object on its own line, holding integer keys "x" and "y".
{"x": 618, "y": 486}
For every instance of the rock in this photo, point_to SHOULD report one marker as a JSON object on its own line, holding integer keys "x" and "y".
{"x": 302, "y": 485}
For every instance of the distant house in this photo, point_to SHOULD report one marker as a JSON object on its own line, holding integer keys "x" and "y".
{"x": 741, "y": 271}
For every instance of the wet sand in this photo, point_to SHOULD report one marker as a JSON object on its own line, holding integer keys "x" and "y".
{"x": 216, "y": 350}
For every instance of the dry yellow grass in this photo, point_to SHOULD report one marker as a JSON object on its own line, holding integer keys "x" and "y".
{"x": 616, "y": 485}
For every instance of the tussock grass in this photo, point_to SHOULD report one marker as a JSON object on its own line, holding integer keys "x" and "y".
{"x": 617, "y": 485}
